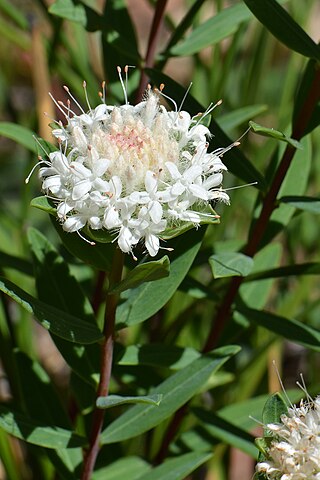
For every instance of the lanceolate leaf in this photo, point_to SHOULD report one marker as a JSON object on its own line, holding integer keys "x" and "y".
{"x": 177, "y": 468}
{"x": 56, "y": 321}
{"x": 286, "y": 271}
{"x": 278, "y": 21}
{"x": 230, "y": 264}
{"x": 288, "y": 328}
{"x": 77, "y": 12}
{"x": 308, "y": 204}
{"x": 57, "y": 287}
{"x": 146, "y": 272}
{"x": 22, "y": 427}
{"x": 143, "y": 302}
{"x": 119, "y": 469}
{"x": 156, "y": 354}
{"x": 115, "y": 400}
{"x": 19, "y": 134}
{"x": 235, "y": 118}
{"x": 176, "y": 390}
{"x": 273, "y": 409}
{"x": 270, "y": 132}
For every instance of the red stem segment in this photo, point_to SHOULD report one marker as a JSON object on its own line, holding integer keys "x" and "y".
{"x": 152, "y": 44}
{"x": 106, "y": 364}
{"x": 269, "y": 204}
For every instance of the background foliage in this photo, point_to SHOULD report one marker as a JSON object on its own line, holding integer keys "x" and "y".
{"x": 262, "y": 62}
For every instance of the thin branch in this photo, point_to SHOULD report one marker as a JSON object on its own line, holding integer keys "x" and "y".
{"x": 106, "y": 364}
{"x": 251, "y": 248}
{"x": 152, "y": 45}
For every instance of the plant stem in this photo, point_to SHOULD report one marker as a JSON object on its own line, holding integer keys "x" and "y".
{"x": 152, "y": 44}
{"x": 106, "y": 365}
{"x": 269, "y": 204}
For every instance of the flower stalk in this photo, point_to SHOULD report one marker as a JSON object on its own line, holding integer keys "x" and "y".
{"x": 106, "y": 365}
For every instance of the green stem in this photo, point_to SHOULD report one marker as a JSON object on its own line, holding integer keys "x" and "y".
{"x": 106, "y": 365}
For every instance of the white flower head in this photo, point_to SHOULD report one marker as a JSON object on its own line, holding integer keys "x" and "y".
{"x": 133, "y": 170}
{"x": 294, "y": 451}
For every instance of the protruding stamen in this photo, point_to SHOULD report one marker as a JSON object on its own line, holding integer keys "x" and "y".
{"x": 166, "y": 96}
{"x": 41, "y": 146}
{"x": 84, "y": 84}
{"x": 73, "y": 98}
{"x": 122, "y": 85}
{"x": 34, "y": 167}
{"x": 85, "y": 239}
{"x": 240, "y": 186}
{"x": 58, "y": 106}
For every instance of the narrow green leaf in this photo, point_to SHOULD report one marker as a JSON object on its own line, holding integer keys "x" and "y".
{"x": 308, "y": 204}
{"x": 230, "y": 264}
{"x": 278, "y": 21}
{"x": 157, "y": 355}
{"x": 221, "y": 26}
{"x": 144, "y": 301}
{"x": 44, "y": 204}
{"x": 77, "y": 12}
{"x": 21, "y": 135}
{"x": 177, "y": 468}
{"x": 14, "y": 13}
{"x": 98, "y": 255}
{"x": 41, "y": 400}
{"x": 226, "y": 432}
{"x": 176, "y": 391}
{"x": 119, "y": 469}
{"x": 270, "y": 132}
{"x": 298, "y": 269}
{"x": 235, "y": 118}
{"x": 119, "y": 41}
{"x": 273, "y": 409}
{"x": 26, "y": 429}
{"x": 17, "y": 263}
{"x": 56, "y": 321}
{"x": 57, "y": 287}
{"x": 115, "y": 400}
{"x": 143, "y": 273}
{"x": 288, "y": 328}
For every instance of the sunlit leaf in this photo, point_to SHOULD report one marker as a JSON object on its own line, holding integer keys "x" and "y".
{"x": 230, "y": 264}
{"x": 115, "y": 400}
{"x": 270, "y": 132}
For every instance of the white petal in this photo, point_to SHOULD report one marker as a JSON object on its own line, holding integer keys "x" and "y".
{"x": 101, "y": 166}
{"x": 116, "y": 186}
{"x": 95, "y": 223}
{"x": 192, "y": 173}
{"x": 152, "y": 244}
{"x": 80, "y": 139}
{"x": 150, "y": 182}
{"x": 199, "y": 191}
{"x": 125, "y": 240}
{"x": 74, "y": 223}
{"x": 173, "y": 170}
{"x": 81, "y": 189}
{"x": 80, "y": 170}
{"x": 213, "y": 181}
{"x": 177, "y": 189}
{"x": 111, "y": 218}
{"x": 155, "y": 211}
{"x": 63, "y": 209}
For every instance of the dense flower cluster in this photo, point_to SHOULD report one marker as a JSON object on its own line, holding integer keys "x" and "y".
{"x": 294, "y": 453}
{"x": 132, "y": 170}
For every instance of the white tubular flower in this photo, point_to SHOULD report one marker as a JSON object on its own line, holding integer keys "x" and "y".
{"x": 294, "y": 453}
{"x": 132, "y": 170}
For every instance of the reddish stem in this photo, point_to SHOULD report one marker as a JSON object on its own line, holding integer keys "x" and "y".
{"x": 152, "y": 44}
{"x": 105, "y": 372}
{"x": 269, "y": 204}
